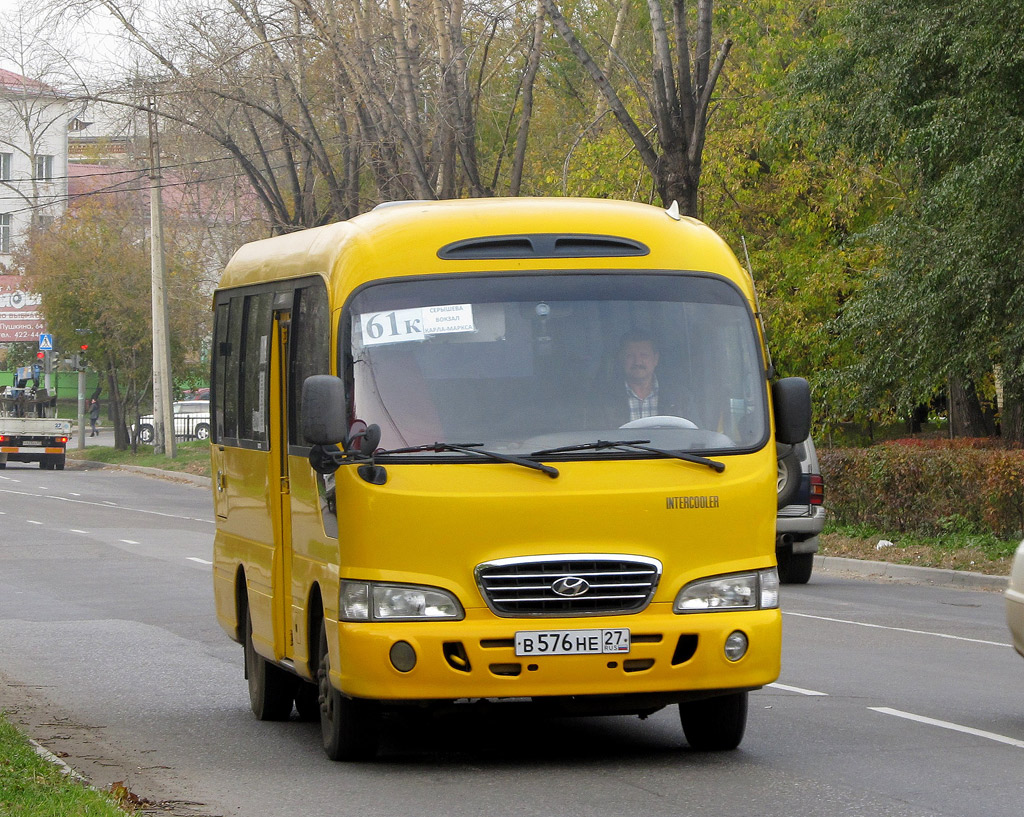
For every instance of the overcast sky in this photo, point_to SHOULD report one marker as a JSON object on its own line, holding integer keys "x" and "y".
{"x": 90, "y": 45}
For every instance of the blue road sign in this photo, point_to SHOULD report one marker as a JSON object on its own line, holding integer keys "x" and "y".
{"x": 46, "y": 343}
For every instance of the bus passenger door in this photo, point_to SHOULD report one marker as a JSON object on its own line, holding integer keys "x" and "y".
{"x": 279, "y": 476}
{"x": 218, "y": 467}
{"x": 313, "y": 525}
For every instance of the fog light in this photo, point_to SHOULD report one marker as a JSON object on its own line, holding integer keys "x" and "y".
{"x": 403, "y": 656}
{"x": 736, "y": 646}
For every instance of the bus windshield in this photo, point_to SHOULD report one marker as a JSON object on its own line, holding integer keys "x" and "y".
{"x": 524, "y": 363}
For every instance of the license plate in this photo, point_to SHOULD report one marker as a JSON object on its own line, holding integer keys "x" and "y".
{"x": 572, "y": 642}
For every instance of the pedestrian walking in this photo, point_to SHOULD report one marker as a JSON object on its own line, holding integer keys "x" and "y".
{"x": 94, "y": 416}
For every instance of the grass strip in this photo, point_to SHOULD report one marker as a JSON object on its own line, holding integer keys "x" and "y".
{"x": 954, "y": 550}
{"x": 193, "y": 457}
{"x": 33, "y": 787}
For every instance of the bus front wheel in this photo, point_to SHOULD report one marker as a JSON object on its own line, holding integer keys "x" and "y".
{"x": 271, "y": 689}
{"x": 714, "y": 724}
{"x": 348, "y": 726}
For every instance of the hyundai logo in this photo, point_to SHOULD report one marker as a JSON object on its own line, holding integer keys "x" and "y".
{"x": 570, "y": 586}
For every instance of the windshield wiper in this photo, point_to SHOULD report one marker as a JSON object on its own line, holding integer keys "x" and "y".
{"x": 636, "y": 445}
{"x": 474, "y": 448}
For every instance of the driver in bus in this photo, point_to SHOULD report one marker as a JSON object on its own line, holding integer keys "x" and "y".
{"x": 637, "y": 392}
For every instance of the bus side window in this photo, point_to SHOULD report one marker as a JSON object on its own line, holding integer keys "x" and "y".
{"x": 228, "y": 345}
{"x": 310, "y": 350}
{"x": 255, "y": 369}
{"x": 219, "y": 379}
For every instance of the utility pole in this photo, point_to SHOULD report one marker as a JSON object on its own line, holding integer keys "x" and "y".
{"x": 163, "y": 419}
{"x": 81, "y": 406}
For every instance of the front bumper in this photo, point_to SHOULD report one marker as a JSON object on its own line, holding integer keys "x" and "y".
{"x": 671, "y": 656}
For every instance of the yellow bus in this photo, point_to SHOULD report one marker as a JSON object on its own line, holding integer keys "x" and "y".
{"x": 499, "y": 449}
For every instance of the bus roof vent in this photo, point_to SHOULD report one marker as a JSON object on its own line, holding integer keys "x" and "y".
{"x": 542, "y": 245}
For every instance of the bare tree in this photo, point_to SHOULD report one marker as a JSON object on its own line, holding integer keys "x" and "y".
{"x": 324, "y": 105}
{"x": 530, "y": 77}
{"x": 678, "y": 97}
{"x": 34, "y": 117}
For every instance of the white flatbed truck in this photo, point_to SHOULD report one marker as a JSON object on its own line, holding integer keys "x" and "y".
{"x": 27, "y": 434}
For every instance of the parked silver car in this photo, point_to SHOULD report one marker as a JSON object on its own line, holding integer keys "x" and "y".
{"x": 1015, "y": 600}
{"x": 191, "y": 421}
{"x": 801, "y": 514}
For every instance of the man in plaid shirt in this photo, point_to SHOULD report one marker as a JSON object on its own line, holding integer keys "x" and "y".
{"x": 639, "y": 358}
{"x": 641, "y": 394}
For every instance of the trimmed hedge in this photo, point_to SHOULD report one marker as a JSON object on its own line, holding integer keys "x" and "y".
{"x": 927, "y": 486}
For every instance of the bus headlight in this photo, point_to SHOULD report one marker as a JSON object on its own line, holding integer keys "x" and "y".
{"x": 757, "y": 590}
{"x": 373, "y": 601}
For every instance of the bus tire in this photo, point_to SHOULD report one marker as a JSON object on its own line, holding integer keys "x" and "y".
{"x": 795, "y": 568}
{"x": 348, "y": 726}
{"x": 271, "y": 689}
{"x": 714, "y": 724}
{"x": 146, "y": 434}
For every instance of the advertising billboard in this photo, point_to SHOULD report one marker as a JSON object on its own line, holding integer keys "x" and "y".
{"x": 21, "y": 318}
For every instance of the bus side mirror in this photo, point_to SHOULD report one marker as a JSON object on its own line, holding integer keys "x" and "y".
{"x": 791, "y": 399}
{"x": 323, "y": 410}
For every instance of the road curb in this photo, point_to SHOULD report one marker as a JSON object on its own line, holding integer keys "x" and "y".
{"x": 50, "y": 757}
{"x": 911, "y": 574}
{"x": 178, "y": 476}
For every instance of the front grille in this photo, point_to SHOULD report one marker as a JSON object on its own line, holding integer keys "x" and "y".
{"x": 605, "y": 584}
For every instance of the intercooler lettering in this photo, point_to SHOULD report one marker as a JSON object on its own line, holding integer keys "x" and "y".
{"x": 686, "y": 503}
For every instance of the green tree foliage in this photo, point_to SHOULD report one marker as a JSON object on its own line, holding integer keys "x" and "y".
{"x": 92, "y": 269}
{"x": 934, "y": 89}
{"x": 772, "y": 193}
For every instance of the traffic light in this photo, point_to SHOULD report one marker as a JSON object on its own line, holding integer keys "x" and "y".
{"x": 40, "y": 355}
{"x": 80, "y": 357}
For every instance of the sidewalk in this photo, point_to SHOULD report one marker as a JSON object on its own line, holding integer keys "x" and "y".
{"x": 909, "y": 574}
{"x": 105, "y": 437}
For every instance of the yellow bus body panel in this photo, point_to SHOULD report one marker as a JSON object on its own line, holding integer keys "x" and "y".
{"x": 404, "y": 240}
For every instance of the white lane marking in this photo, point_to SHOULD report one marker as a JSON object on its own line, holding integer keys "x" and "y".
{"x": 967, "y": 730}
{"x": 900, "y": 629}
{"x": 33, "y": 522}
{"x": 128, "y": 541}
{"x": 798, "y": 690}
{"x": 72, "y": 493}
{"x": 76, "y": 530}
{"x": 106, "y": 506}
{"x": 197, "y": 559}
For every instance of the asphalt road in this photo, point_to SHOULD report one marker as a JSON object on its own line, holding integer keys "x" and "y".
{"x": 895, "y": 699}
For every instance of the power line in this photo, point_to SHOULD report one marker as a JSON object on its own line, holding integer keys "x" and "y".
{"x": 112, "y": 171}
{"x": 140, "y": 174}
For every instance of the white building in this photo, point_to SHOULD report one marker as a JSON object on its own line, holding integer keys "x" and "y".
{"x": 34, "y": 120}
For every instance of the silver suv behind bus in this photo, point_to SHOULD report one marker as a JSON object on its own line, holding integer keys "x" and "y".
{"x": 801, "y": 515}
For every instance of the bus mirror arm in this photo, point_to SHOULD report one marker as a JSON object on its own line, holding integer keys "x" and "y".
{"x": 359, "y": 448}
{"x": 364, "y": 441}
{"x": 326, "y": 459}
